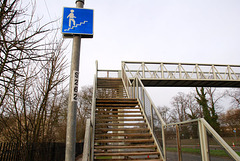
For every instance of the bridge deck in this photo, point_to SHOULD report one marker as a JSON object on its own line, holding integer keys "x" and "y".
{"x": 148, "y": 82}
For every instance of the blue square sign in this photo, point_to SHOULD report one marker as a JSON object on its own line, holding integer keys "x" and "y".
{"x": 77, "y": 21}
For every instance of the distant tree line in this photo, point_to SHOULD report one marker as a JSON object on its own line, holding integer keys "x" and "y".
{"x": 205, "y": 103}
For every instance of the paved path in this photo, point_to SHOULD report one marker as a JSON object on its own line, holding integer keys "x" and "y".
{"x": 172, "y": 156}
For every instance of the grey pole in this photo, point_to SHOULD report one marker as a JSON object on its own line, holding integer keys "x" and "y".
{"x": 72, "y": 101}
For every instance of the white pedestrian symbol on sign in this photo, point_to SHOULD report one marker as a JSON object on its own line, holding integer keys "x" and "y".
{"x": 71, "y": 18}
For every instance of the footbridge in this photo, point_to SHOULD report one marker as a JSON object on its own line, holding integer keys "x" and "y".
{"x": 162, "y": 74}
{"x": 126, "y": 125}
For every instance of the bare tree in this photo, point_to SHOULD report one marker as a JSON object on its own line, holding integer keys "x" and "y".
{"x": 83, "y": 110}
{"x": 165, "y": 113}
{"x": 31, "y": 76}
{"x": 231, "y": 121}
{"x": 21, "y": 38}
{"x": 234, "y": 94}
{"x": 193, "y": 109}
{"x": 179, "y": 104}
{"x": 35, "y": 104}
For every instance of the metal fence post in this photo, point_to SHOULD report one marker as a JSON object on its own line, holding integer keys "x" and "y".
{"x": 178, "y": 143}
{"x": 203, "y": 141}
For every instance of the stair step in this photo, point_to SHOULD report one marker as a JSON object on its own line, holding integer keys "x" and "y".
{"x": 115, "y": 105}
{"x": 110, "y": 120}
{"x": 124, "y": 140}
{"x": 124, "y": 134}
{"x": 117, "y": 100}
{"x": 105, "y": 112}
{"x": 121, "y": 124}
{"x": 122, "y": 129}
{"x": 124, "y": 150}
{"x": 127, "y": 154}
{"x": 125, "y": 147}
{"x": 147, "y": 159}
{"x": 99, "y": 116}
{"x": 125, "y": 108}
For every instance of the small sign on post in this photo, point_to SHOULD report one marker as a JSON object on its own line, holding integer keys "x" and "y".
{"x": 75, "y": 86}
{"x": 77, "y": 21}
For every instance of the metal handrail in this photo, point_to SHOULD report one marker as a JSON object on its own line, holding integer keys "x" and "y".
{"x": 87, "y": 141}
{"x": 143, "y": 98}
{"x": 186, "y": 71}
{"x": 94, "y": 97}
{"x": 108, "y": 73}
{"x": 230, "y": 151}
{"x": 155, "y": 108}
{"x": 203, "y": 127}
{"x": 127, "y": 83}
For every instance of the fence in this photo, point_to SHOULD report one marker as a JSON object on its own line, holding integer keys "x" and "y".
{"x": 35, "y": 151}
{"x": 197, "y": 140}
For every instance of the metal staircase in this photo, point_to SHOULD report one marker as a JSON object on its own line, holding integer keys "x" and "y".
{"x": 121, "y": 132}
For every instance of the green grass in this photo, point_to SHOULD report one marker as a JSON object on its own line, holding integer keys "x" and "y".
{"x": 185, "y": 150}
{"x": 220, "y": 153}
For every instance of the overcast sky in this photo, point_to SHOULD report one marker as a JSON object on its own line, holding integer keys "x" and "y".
{"x": 187, "y": 31}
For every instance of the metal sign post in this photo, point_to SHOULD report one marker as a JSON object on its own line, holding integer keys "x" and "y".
{"x": 74, "y": 22}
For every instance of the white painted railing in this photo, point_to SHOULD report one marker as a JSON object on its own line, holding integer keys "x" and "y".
{"x": 203, "y": 133}
{"x": 188, "y": 71}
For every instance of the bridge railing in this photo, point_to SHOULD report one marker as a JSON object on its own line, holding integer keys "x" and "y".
{"x": 108, "y": 73}
{"x": 163, "y": 70}
{"x": 196, "y": 139}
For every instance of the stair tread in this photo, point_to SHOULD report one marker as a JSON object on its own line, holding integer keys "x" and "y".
{"x": 127, "y": 154}
{"x": 120, "y": 124}
{"x": 129, "y": 159}
{"x": 124, "y": 134}
{"x": 116, "y": 100}
{"x": 122, "y": 129}
{"x": 125, "y": 147}
{"x": 118, "y": 112}
{"x": 119, "y": 115}
{"x": 108, "y": 107}
{"x": 116, "y": 105}
{"x": 124, "y": 140}
{"x": 127, "y": 119}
